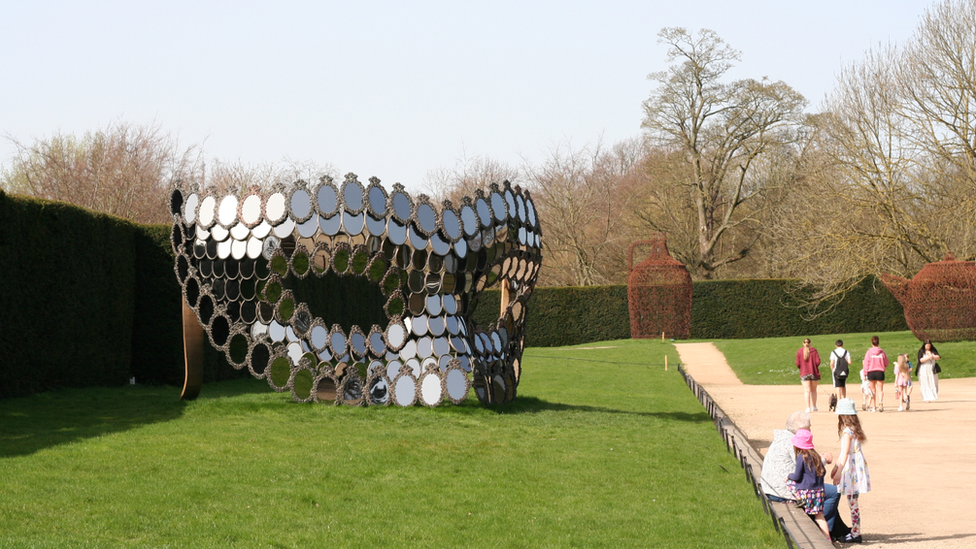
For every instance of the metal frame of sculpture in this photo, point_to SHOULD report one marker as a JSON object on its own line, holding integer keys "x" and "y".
{"x": 658, "y": 292}
{"x": 940, "y": 301}
{"x": 262, "y": 271}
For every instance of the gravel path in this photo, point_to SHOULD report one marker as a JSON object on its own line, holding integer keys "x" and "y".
{"x": 922, "y": 462}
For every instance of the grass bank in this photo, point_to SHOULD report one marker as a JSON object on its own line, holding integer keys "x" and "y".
{"x": 603, "y": 448}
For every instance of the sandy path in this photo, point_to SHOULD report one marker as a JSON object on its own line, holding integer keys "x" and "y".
{"x": 922, "y": 462}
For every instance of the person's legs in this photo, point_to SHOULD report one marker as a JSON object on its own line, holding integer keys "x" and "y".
{"x": 842, "y": 390}
{"x": 880, "y": 394}
{"x": 806, "y": 394}
{"x": 831, "y": 500}
{"x": 813, "y": 394}
{"x": 855, "y": 515}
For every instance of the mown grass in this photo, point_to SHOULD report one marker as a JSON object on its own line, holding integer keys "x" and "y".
{"x": 772, "y": 361}
{"x": 603, "y": 448}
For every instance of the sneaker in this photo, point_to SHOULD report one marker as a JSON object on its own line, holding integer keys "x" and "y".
{"x": 908, "y": 403}
{"x": 807, "y": 410}
{"x": 814, "y": 409}
{"x": 881, "y": 407}
{"x": 901, "y": 409}
{"x": 850, "y": 539}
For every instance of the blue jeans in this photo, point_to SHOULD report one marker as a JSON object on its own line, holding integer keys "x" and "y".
{"x": 831, "y": 499}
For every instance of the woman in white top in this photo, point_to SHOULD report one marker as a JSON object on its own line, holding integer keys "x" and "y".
{"x": 927, "y": 378}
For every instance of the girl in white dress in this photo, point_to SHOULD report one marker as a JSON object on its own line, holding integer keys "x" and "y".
{"x": 928, "y": 380}
{"x": 850, "y": 472}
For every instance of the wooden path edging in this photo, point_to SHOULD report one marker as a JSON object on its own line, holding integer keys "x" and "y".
{"x": 797, "y": 528}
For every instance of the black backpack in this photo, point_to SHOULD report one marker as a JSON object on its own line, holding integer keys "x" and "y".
{"x": 841, "y": 368}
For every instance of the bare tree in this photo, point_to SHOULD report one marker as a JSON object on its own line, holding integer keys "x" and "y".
{"x": 584, "y": 197}
{"x": 124, "y": 170}
{"x": 719, "y": 132}
{"x": 466, "y": 176}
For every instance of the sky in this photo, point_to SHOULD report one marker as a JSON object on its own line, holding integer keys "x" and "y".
{"x": 396, "y": 89}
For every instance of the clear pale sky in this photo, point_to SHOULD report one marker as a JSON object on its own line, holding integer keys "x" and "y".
{"x": 394, "y": 89}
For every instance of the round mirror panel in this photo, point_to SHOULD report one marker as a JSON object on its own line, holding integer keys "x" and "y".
{"x": 461, "y": 248}
{"x": 419, "y": 325}
{"x": 496, "y": 342}
{"x": 238, "y": 248}
{"x": 285, "y": 228}
{"x": 430, "y": 390}
{"x": 190, "y": 208}
{"x": 301, "y": 204}
{"x": 510, "y": 201}
{"x": 436, "y": 325}
{"x": 330, "y": 225}
{"x": 427, "y": 218}
{"x": 328, "y": 200}
{"x": 353, "y": 224}
{"x": 207, "y": 211}
{"x": 439, "y": 245}
{"x": 434, "y": 305}
{"x": 450, "y": 304}
{"x": 417, "y": 240}
{"x": 379, "y": 391}
{"x": 375, "y": 226}
{"x": 358, "y": 343}
{"x": 376, "y": 343}
{"x": 452, "y": 225}
{"x": 219, "y": 233}
{"x": 498, "y": 206}
{"x": 308, "y": 228}
{"x": 393, "y": 368}
{"x": 276, "y": 331}
{"x": 262, "y": 230}
{"x": 274, "y": 208}
{"x": 530, "y": 210}
{"x": 240, "y": 232}
{"x": 377, "y": 201}
{"x": 425, "y": 347}
{"x": 414, "y": 365}
{"x": 441, "y": 346}
{"x": 397, "y": 232}
{"x": 409, "y": 350}
{"x": 401, "y": 206}
{"x": 452, "y": 325}
{"x": 520, "y": 207}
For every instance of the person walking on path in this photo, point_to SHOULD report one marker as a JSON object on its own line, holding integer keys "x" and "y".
{"x": 808, "y": 361}
{"x": 806, "y": 482}
{"x": 875, "y": 364}
{"x": 850, "y": 472}
{"x": 927, "y": 377}
{"x": 903, "y": 382}
{"x": 840, "y": 368}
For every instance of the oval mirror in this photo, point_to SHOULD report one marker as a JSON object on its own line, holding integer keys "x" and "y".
{"x": 417, "y": 240}
{"x": 319, "y": 337}
{"x": 530, "y": 210}
{"x": 434, "y": 306}
{"x": 426, "y": 218}
{"x": 377, "y": 201}
{"x": 376, "y": 344}
{"x": 498, "y": 206}
{"x": 452, "y": 225}
{"x": 520, "y": 208}
{"x": 227, "y": 212}
{"x": 441, "y": 346}
{"x": 404, "y": 391}
{"x": 396, "y": 335}
{"x": 496, "y": 342}
{"x": 206, "y": 215}
{"x": 251, "y": 210}
{"x": 379, "y": 391}
{"x": 240, "y": 231}
{"x": 262, "y": 230}
{"x": 479, "y": 345}
{"x": 327, "y": 199}
{"x": 330, "y": 225}
{"x": 352, "y": 195}
{"x": 419, "y": 325}
{"x": 308, "y": 228}
{"x": 461, "y": 248}
{"x": 452, "y": 325}
{"x": 436, "y": 325}
{"x": 430, "y": 389}
{"x": 274, "y": 208}
{"x": 238, "y": 248}
{"x": 223, "y": 249}
{"x": 301, "y": 204}
{"x": 470, "y": 220}
{"x": 409, "y": 350}
{"x": 401, "y": 207}
{"x": 285, "y": 228}
{"x": 190, "y": 208}
{"x": 484, "y": 213}
{"x": 414, "y": 365}
{"x": 219, "y": 233}
{"x": 393, "y": 368}
{"x": 450, "y": 304}
{"x": 425, "y": 347}
{"x": 337, "y": 341}
{"x": 457, "y": 385}
{"x": 358, "y": 341}
{"x": 276, "y": 331}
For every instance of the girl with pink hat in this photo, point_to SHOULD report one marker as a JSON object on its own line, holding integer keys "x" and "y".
{"x": 806, "y": 483}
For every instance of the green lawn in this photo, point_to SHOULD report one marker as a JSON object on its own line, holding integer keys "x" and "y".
{"x": 772, "y": 361}
{"x": 603, "y": 448}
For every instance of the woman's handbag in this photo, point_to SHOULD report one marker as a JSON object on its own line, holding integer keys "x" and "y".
{"x": 936, "y": 369}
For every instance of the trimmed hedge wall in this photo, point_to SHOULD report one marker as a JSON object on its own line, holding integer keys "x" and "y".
{"x": 88, "y": 300}
{"x": 721, "y": 309}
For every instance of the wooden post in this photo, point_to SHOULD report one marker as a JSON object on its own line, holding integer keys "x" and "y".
{"x": 665, "y": 363}
{"x": 662, "y": 337}
{"x": 506, "y": 296}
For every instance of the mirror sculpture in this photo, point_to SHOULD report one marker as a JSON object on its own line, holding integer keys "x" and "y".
{"x": 358, "y": 296}
{"x": 658, "y": 292}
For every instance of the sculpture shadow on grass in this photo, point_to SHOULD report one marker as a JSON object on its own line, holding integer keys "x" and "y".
{"x": 36, "y": 422}
{"x": 533, "y": 405}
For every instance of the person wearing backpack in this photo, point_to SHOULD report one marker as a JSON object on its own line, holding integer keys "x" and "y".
{"x": 840, "y": 366}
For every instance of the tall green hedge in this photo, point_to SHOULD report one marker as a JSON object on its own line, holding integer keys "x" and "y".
{"x": 721, "y": 309}
{"x": 88, "y": 300}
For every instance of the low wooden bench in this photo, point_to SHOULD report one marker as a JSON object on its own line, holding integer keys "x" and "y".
{"x": 797, "y": 528}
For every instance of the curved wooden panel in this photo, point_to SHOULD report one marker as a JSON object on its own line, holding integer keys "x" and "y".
{"x": 192, "y": 354}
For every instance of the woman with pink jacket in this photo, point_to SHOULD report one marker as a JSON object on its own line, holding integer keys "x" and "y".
{"x": 875, "y": 364}
{"x": 808, "y": 362}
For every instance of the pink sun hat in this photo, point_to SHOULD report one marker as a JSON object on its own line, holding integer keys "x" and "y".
{"x": 803, "y": 439}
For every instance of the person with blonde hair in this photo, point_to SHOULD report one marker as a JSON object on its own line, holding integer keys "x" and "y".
{"x": 850, "y": 472}
{"x": 903, "y": 382}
